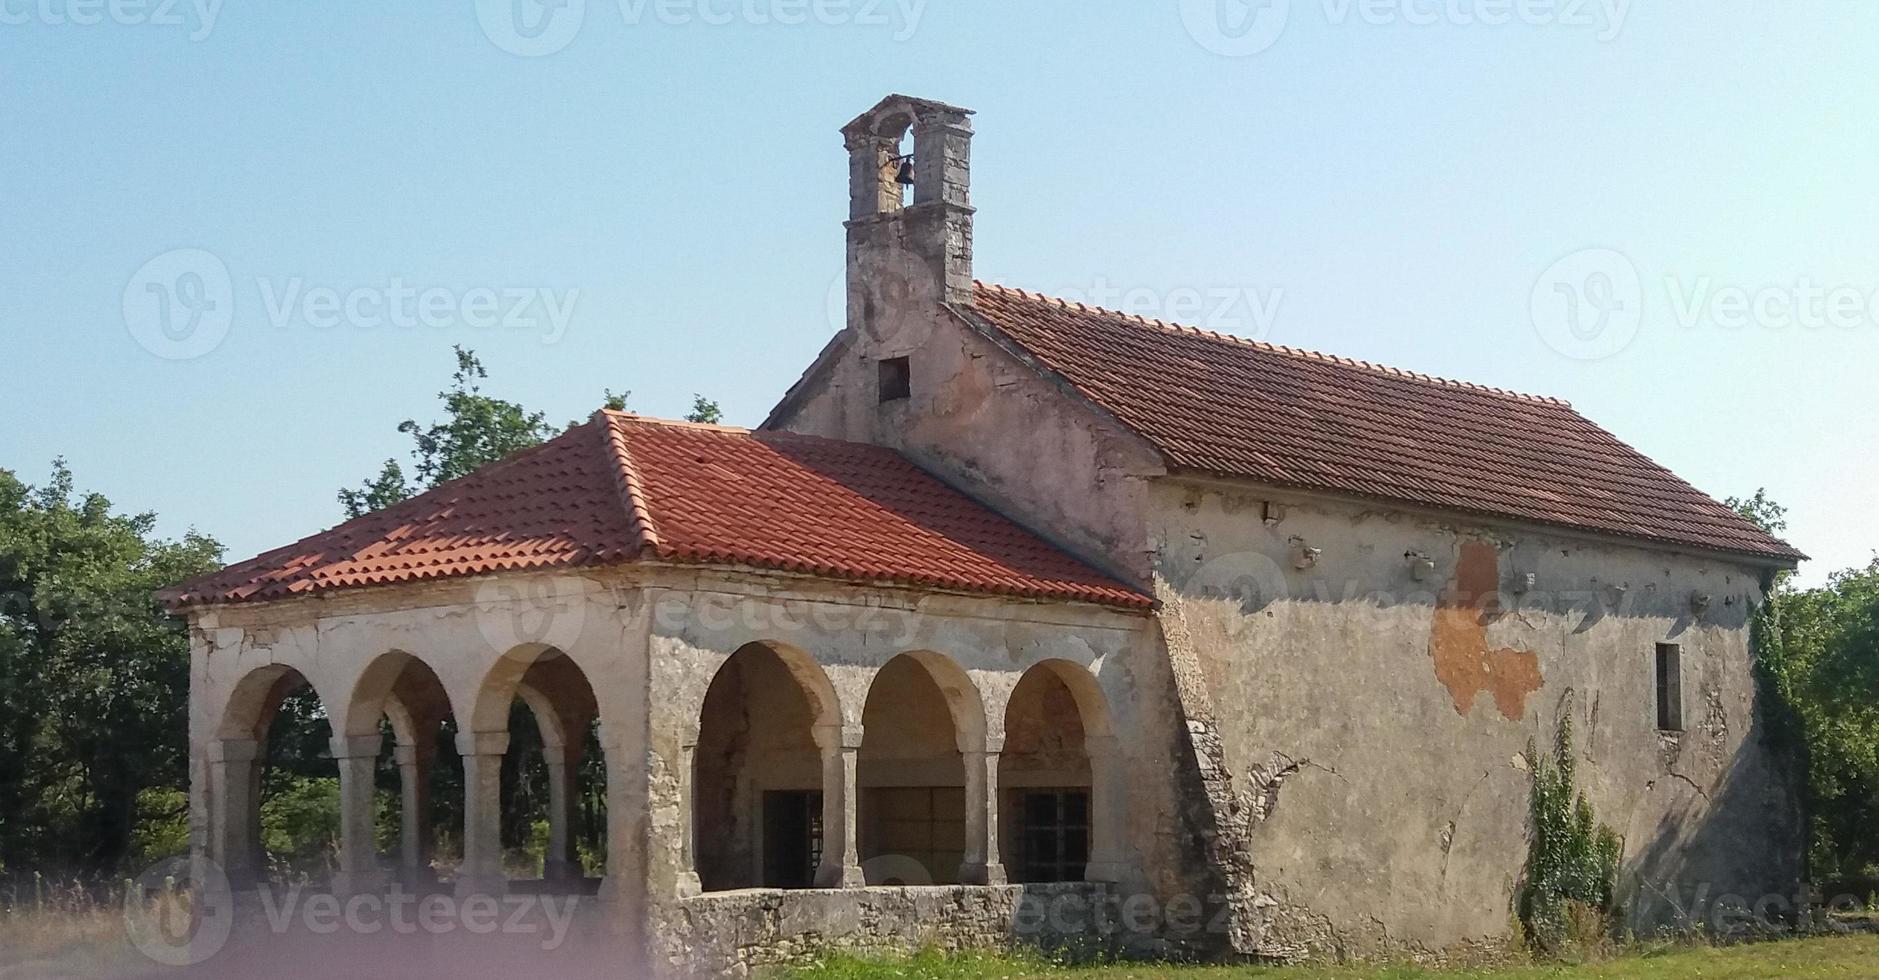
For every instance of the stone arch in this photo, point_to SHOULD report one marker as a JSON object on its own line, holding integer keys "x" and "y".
{"x": 922, "y": 717}
{"x": 756, "y": 770}
{"x": 403, "y": 689}
{"x": 239, "y": 757}
{"x": 1058, "y": 778}
{"x": 556, "y": 767}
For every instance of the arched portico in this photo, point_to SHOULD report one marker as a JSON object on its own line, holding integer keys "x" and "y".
{"x": 1059, "y": 774}
{"x": 927, "y": 771}
{"x": 401, "y": 689}
{"x": 238, "y": 757}
{"x": 542, "y": 683}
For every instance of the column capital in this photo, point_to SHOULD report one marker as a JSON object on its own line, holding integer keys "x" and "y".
{"x": 992, "y": 744}
{"x": 356, "y": 746}
{"x": 838, "y": 736}
{"x": 234, "y": 750}
{"x": 482, "y": 743}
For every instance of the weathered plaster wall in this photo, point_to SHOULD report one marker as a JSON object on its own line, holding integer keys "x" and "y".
{"x": 993, "y": 427}
{"x": 1374, "y": 724}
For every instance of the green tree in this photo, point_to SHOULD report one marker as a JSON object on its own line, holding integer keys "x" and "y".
{"x": 1818, "y": 653}
{"x": 477, "y": 430}
{"x": 705, "y": 410}
{"x": 94, "y": 675}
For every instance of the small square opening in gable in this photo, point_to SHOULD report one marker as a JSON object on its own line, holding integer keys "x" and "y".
{"x": 896, "y": 379}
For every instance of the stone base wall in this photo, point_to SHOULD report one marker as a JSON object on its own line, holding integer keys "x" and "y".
{"x": 730, "y": 933}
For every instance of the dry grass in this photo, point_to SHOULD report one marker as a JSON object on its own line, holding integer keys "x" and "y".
{"x": 63, "y": 930}
{"x": 1819, "y": 959}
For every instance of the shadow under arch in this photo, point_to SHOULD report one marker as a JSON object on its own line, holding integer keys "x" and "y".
{"x": 757, "y": 773}
{"x": 922, "y": 716}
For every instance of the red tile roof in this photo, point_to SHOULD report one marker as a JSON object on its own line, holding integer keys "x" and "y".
{"x": 1219, "y": 404}
{"x": 620, "y": 487}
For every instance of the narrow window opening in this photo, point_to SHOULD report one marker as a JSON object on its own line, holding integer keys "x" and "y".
{"x": 896, "y": 379}
{"x": 1053, "y": 835}
{"x": 792, "y": 838}
{"x": 1669, "y": 687}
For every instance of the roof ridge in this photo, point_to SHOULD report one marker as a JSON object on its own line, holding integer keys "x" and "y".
{"x": 733, "y": 430}
{"x": 626, "y": 481}
{"x": 1281, "y": 349}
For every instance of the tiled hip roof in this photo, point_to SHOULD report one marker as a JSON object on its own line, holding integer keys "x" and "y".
{"x": 619, "y": 488}
{"x": 1292, "y": 418}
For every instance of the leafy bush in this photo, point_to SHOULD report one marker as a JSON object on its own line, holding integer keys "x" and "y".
{"x": 1569, "y": 898}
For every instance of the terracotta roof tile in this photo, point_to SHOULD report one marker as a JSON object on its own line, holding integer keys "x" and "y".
{"x": 621, "y": 487}
{"x": 1221, "y": 404}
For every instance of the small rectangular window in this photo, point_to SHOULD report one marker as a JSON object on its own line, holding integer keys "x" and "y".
{"x": 896, "y": 379}
{"x": 1053, "y": 835}
{"x": 1669, "y": 687}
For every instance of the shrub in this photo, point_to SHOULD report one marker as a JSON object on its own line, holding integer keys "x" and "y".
{"x": 1570, "y": 894}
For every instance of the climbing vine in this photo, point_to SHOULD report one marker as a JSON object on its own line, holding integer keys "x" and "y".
{"x": 1572, "y": 861}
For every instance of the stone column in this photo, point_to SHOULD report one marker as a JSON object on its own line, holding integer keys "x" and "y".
{"x": 233, "y": 766}
{"x": 982, "y": 865}
{"x": 687, "y": 884}
{"x": 481, "y": 873}
{"x": 841, "y": 854}
{"x": 359, "y": 870}
{"x": 1109, "y": 859}
{"x": 561, "y": 862}
{"x": 414, "y": 786}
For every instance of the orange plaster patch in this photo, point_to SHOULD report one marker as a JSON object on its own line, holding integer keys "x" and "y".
{"x": 1458, "y": 640}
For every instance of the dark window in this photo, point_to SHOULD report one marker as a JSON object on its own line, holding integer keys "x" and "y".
{"x": 792, "y": 838}
{"x": 1669, "y": 687}
{"x": 1053, "y": 835}
{"x": 896, "y": 379}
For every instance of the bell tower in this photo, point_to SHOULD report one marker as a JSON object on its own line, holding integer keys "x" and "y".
{"x": 909, "y": 218}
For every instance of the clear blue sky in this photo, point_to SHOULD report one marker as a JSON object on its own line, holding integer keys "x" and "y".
{"x": 1400, "y": 189}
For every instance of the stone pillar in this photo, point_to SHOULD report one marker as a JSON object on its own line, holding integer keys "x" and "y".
{"x": 359, "y": 870}
{"x": 414, "y": 786}
{"x": 687, "y": 883}
{"x": 234, "y": 765}
{"x": 841, "y": 854}
{"x": 1109, "y": 860}
{"x": 982, "y": 865}
{"x": 561, "y": 862}
{"x": 481, "y": 873}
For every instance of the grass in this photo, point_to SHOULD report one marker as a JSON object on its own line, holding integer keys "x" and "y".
{"x": 1845, "y": 956}
{"x": 53, "y": 930}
